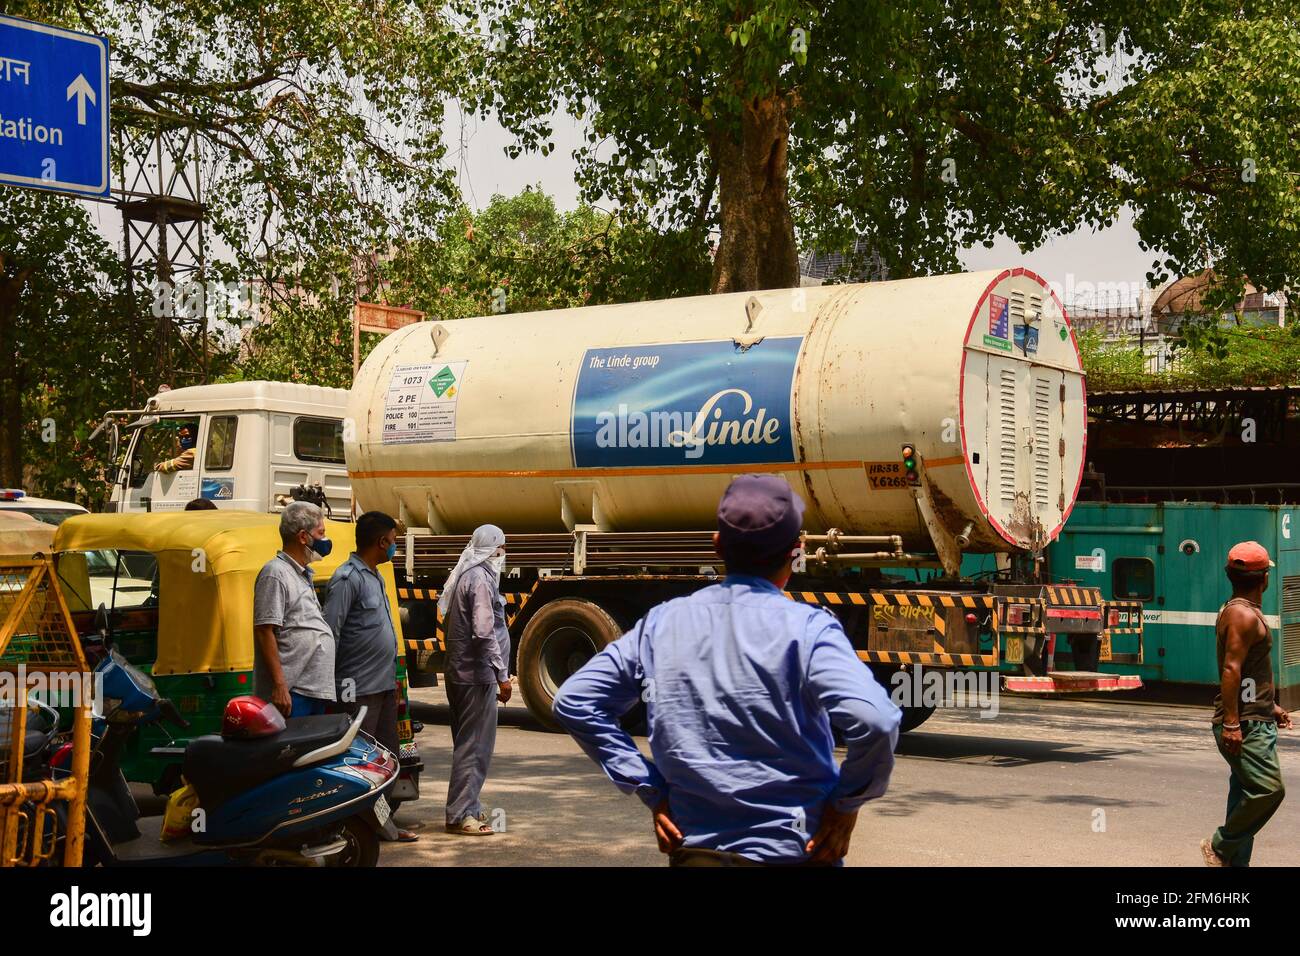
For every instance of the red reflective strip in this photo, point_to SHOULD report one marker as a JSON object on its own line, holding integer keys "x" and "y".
{"x": 1086, "y": 615}
{"x": 1064, "y": 684}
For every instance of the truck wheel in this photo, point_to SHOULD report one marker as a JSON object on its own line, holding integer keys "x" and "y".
{"x": 914, "y": 717}
{"x": 559, "y": 639}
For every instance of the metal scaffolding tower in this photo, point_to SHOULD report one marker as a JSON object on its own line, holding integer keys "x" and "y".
{"x": 164, "y": 246}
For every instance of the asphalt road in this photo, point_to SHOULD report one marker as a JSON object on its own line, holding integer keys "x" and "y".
{"x": 1045, "y": 783}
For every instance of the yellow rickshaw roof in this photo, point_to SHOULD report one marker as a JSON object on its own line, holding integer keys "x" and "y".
{"x": 231, "y": 540}
{"x": 205, "y": 609}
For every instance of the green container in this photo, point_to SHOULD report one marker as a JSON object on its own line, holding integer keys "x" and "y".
{"x": 1170, "y": 556}
{"x": 154, "y": 752}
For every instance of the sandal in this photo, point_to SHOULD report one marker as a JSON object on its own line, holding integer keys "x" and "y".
{"x": 470, "y": 826}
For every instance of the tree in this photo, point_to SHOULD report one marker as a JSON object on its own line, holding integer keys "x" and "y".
{"x": 69, "y": 347}
{"x": 320, "y": 140}
{"x": 320, "y": 123}
{"x": 921, "y": 128}
{"x": 519, "y": 254}
{"x": 1211, "y": 356}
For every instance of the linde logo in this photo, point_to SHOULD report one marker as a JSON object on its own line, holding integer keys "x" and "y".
{"x": 691, "y": 431}
{"x": 697, "y": 402}
{"x": 77, "y": 909}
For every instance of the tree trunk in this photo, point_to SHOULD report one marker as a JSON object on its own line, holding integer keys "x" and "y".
{"x": 11, "y": 381}
{"x": 757, "y": 248}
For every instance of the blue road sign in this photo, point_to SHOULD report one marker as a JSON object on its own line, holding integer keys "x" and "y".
{"x": 53, "y": 108}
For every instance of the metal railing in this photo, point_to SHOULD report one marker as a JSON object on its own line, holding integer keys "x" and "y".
{"x": 37, "y": 637}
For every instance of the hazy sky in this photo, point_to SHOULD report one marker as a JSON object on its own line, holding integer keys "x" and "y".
{"x": 1076, "y": 260}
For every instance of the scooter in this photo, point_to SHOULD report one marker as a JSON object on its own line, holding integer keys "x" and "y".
{"x": 308, "y": 791}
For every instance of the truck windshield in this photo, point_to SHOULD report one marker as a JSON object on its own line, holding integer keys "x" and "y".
{"x": 162, "y": 446}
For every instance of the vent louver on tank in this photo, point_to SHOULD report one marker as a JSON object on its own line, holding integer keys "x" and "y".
{"x": 1017, "y": 307}
{"x": 1042, "y": 442}
{"x": 1007, "y": 434}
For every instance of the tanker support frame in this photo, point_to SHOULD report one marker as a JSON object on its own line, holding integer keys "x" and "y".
{"x": 569, "y": 594}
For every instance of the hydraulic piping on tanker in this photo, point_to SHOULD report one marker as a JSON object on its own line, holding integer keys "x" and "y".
{"x": 829, "y": 544}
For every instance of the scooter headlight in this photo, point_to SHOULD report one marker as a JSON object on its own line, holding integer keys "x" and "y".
{"x": 138, "y": 677}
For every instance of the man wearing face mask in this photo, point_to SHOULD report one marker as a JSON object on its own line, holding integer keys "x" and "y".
{"x": 477, "y": 672}
{"x": 293, "y": 645}
{"x": 186, "y": 440}
{"x": 357, "y": 611}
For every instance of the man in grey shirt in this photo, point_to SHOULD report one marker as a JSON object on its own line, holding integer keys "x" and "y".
{"x": 477, "y": 673}
{"x": 293, "y": 661}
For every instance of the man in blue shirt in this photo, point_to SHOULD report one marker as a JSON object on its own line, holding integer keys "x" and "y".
{"x": 365, "y": 664}
{"x": 356, "y": 609}
{"x": 741, "y": 687}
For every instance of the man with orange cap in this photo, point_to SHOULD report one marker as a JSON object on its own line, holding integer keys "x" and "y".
{"x": 1246, "y": 715}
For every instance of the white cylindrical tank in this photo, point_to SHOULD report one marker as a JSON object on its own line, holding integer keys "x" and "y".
{"x": 635, "y": 417}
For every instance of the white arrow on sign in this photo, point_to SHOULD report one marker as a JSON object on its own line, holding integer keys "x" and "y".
{"x": 82, "y": 91}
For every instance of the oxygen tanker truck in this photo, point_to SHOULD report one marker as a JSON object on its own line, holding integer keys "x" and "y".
{"x": 932, "y": 426}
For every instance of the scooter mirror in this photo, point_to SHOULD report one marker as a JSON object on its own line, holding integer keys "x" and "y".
{"x": 103, "y": 624}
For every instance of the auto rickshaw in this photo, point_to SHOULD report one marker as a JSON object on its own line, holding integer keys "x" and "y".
{"x": 181, "y": 589}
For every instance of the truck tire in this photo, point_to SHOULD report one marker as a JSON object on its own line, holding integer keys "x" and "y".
{"x": 914, "y": 717}
{"x": 559, "y": 639}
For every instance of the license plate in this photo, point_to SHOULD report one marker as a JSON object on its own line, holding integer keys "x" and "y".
{"x": 382, "y": 810}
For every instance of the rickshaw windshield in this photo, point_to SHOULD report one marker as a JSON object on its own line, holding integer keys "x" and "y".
{"x": 109, "y": 578}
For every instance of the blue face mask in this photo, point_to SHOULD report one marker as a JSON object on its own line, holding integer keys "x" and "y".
{"x": 322, "y": 546}
{"x": 392, "y": 550}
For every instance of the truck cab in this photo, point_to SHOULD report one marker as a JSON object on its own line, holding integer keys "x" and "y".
{"x": 242, "y": 445}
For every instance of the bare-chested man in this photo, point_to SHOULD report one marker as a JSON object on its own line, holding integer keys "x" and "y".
{"x": 1246, "y": 713}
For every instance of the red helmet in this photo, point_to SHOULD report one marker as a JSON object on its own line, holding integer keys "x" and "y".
{"x": 251, "y": 716}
